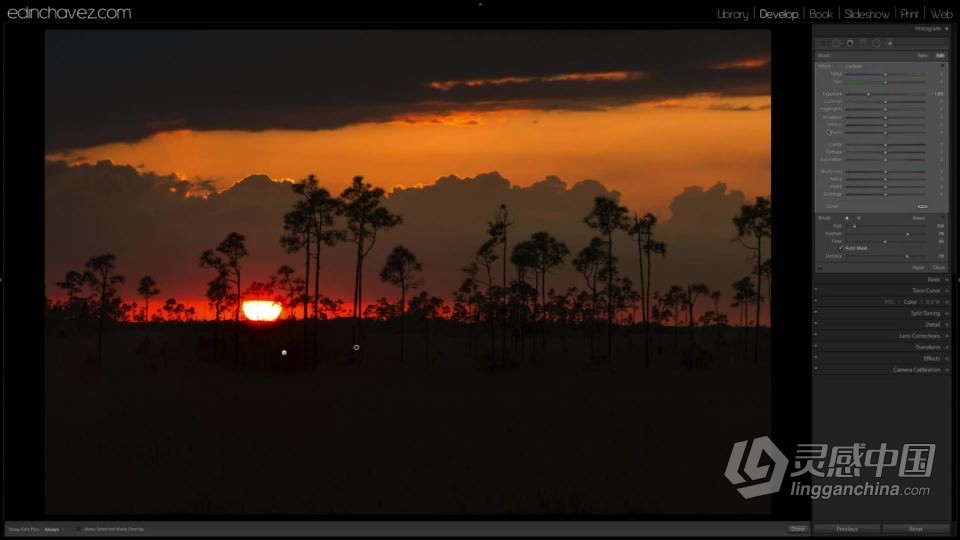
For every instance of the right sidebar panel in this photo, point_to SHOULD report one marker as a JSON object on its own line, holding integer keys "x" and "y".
{"x": 882, "y": 277}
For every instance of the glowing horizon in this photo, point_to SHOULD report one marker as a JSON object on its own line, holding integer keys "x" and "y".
{"x": 262, "y": 310}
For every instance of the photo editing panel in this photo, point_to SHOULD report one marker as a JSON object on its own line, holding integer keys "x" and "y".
{"x": 882, "y": 287}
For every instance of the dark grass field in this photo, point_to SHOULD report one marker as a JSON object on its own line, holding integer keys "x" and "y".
{"x": 163, "y": 428}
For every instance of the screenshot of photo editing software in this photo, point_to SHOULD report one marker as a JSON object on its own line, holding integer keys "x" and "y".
{"x": 480, "y": 268}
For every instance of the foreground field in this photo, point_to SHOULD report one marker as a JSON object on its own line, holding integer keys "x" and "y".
{"x": 162, "y": 429}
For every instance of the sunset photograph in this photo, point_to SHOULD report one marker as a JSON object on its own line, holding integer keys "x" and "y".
{"x": 389, "y": 272}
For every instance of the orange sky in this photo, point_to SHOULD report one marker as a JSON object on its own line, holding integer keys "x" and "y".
{"x": 647, "y": 151}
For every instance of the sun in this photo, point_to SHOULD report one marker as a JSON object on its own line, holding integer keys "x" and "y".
{"x": 261, "y": 310}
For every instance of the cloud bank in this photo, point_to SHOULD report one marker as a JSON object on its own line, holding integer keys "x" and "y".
{"x": 156, "y": 225}
{"x": 119, "y": 85}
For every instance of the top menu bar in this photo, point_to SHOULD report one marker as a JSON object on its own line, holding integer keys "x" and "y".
{"x": 607, "y": 12}
{"x": 826, "y": 14}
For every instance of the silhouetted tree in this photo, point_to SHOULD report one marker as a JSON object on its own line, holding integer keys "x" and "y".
{"x": 147, "y": 289}
{"x": 694, "y": 291}
{"x": 560, "y": 307}
{"x": 715, "y": 297}
{"x": 739, "y": 299}
{"x": 718, "y": 317}
{"x": 626, "y": 299}
{"x": 583, "y": 311}
{"x": 218, "y": 295}
{"x": 173, "y": 310}
{"x": 129, "y": 312}
{"x": 289, "y": 286}
{"x": 661, "y": 310}
{"x": 472, "y": 300}
{"x": 497, "y": 230}
{"x": 360, "y": 204}
{"x": 260, "y": 289}
{"x": 99, "y": 273}
{"x": 220, "y": 299}
{"x": 428, "y": 307}
{"x": 234, "y": 248}
{"x": 73, "y": 284}
{"x": 523, "y": 258}
{"x": 382, "y": 310}
{"x": 607, "y": 217}
{"x": 298, "y": 234}
{"x": 330, "y": 307}
{"x": 400, "y": 271}
{"x": 675, "y": 300}
{"x": 754, "y": 223}
{"x": 226, "y": 262}
{"x": 548, "y": 254}
{"x": 721, "y": 320}
{"x": 766, "y": 270}
{"x": 744, "y": 294}
{"x": 642, "y": 229}
{"x": 485, "y": 257}
{"x": 589, "y": 262}
{"x": 322, "y": 209}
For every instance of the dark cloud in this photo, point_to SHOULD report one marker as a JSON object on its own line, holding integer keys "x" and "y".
{"x": 105, "y": 86}
{"x": 153, "y": 227}
{"x": 738, "y": 108}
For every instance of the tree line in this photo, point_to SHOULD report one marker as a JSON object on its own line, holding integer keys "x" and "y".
{"x": 506, "y": 291}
